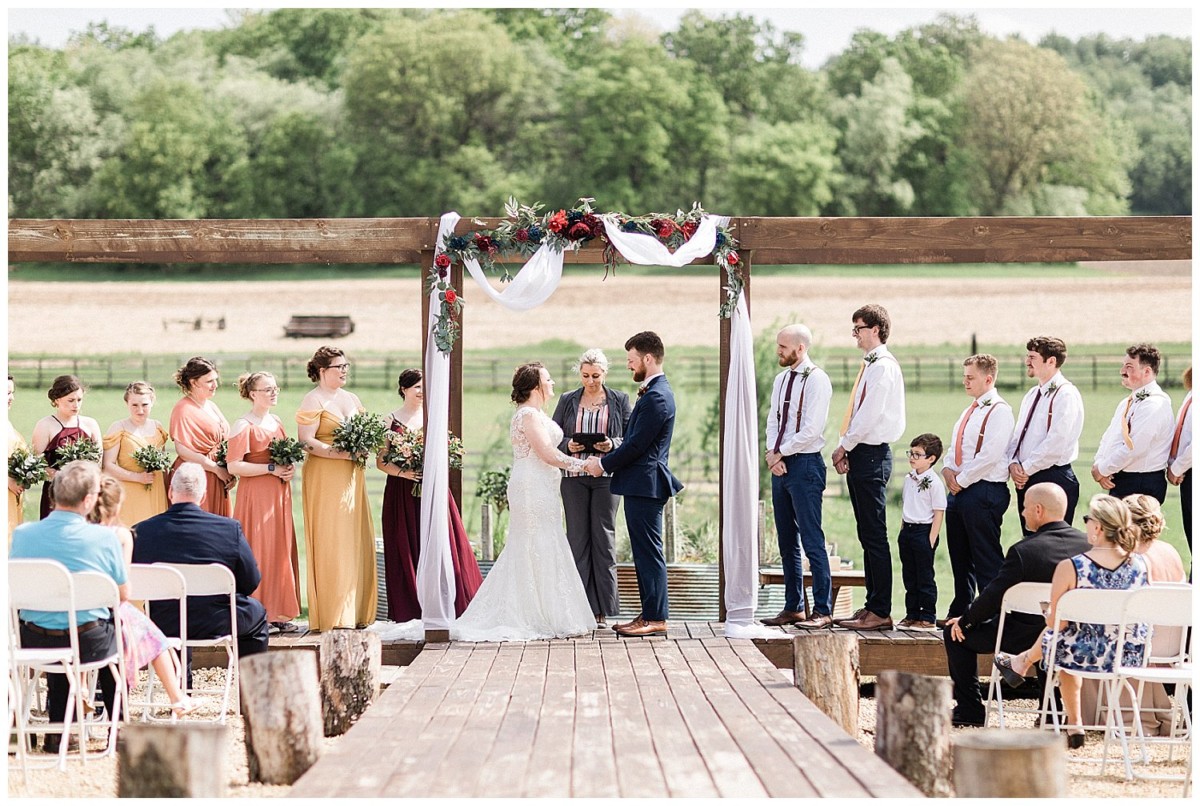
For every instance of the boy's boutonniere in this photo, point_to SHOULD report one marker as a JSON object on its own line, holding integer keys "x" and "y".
{"x": 924, "y": 484}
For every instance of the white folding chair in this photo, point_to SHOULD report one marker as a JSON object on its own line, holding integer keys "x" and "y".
{"x": 39, "y": 585}
{"x": 94, "y": 590}
{"x": 215, "y": 580}
{"x": 1166, "y": 661}
{"x": 1024, "y": 597}
{"x": 1083, "y": 606}
{"x": 156, "y": 583}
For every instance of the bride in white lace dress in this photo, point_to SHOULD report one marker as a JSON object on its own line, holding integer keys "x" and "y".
{"x": 533, "y": 591}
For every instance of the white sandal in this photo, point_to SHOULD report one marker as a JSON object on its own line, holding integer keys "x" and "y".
{"x": 183, "y": 706}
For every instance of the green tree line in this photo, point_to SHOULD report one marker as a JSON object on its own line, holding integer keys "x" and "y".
{"x": 409, "y": 112}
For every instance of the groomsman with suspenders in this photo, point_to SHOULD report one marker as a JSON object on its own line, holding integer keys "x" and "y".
{"x": 976, "y": 474}
{"x": 1046, "y": 439}
{"x": 1179, "y": 469}
{"x": 795, "y": 436}
{"x": 874, "y": 419}
{"x": 1133, "y": 452}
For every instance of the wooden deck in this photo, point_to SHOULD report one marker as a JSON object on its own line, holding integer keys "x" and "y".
{"x": 697, "y": 716}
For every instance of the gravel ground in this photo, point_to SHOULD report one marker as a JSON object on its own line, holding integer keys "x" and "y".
{"x": 99, "y": 778}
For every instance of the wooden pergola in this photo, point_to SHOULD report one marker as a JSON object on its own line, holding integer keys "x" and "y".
{"x": 765, "y": 241}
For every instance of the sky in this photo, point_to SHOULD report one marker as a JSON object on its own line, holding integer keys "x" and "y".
{"x": 826, "y": 31}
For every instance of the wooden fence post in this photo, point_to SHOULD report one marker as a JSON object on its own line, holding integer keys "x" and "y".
{"x": 487, "y": 542}
{"x": 827, "y": 671}
{"x": 669, "y": 531}
{"x": 912, "y": 728}
{"x": 281, "y": 703}
{"x": 762, "y": 528}
{"x": 1010, "y": 763}
{"x": 350, "y": 667}
{"x": 181, "y": 760}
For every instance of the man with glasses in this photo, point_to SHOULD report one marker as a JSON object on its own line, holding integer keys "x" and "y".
{"x": 874, "y": 419}
{"x": 66, "y": 536}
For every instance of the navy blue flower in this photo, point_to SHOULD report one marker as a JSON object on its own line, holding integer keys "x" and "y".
{"x": 720, "y": 239}
{"x": 574, "y": 216}
{"x": 535, "y": 234}
{"x": 458, "y": 243}
{"x": 630, "y": 226}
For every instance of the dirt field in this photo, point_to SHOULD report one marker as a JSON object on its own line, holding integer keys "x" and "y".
{"x": 1153, "y": 304}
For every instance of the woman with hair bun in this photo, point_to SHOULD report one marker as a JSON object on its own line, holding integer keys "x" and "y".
{"x": 66, "y": 425}
{"x": 402, "y": 520}
{"x": 337, "y": 515}
{"x": 145, "y": 493}
{"x": 1165, "y": 563}
{"x": 264, "y": 500}
{"x": 198, "y": 428}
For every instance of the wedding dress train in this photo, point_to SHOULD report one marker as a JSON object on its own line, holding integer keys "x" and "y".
{"x": 533, "y": 591}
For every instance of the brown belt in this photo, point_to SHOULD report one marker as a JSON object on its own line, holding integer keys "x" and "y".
{"x": 87, "y": 626}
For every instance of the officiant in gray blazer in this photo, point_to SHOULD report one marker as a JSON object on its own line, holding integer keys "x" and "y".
{"x": 593, "y": 410}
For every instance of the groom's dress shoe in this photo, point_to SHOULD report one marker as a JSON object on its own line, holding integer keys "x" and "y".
{"x": 784, "y": 618}
{"x": 644, "y": 628}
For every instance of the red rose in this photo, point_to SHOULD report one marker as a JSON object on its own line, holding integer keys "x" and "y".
{"x": 689, "y": 229}
{"x": 442, "y": 261}
{"x": 579, "y": 231}
{"x": 451, "y": 296}
{"x": 557, "y": 222}
{"x": 732, "y": 259}
{"x": 521, "y": 236}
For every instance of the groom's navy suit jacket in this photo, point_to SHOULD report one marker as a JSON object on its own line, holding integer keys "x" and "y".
{"x": 639, "y": 464}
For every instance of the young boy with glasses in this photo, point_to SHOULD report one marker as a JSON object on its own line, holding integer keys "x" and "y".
{"x": 924, "y": 508}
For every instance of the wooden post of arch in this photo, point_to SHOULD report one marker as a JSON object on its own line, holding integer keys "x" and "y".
{"x": 456, "y": 360}
{"x": 726, "y": 331}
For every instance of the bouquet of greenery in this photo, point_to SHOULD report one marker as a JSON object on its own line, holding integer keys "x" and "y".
{"x": 286, "y": 451}
{"x": 493, "y": 487}
{"x": 27, "y": 469}
{"x": 406, "y": 450}
{"x": 361, "y": 435}
{"x": 152, "y": 460}
{"x": 82, "y": 449}
{"x": 221, "y": 455}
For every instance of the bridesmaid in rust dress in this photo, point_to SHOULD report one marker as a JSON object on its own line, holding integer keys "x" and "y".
{"x": 64, "y": 426}
{"x": 402, "y": 521}
{"x": 264, "y": 500}
{"x": 198, "y": 427}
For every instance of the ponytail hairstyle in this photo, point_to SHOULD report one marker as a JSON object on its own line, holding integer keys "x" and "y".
{"x": 108, "y": 503}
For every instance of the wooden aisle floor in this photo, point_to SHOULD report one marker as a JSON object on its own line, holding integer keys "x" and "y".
{"x": 692, "y": 717}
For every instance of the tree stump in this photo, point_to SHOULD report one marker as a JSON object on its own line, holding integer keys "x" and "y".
{"x": 281, "y": 705}
{"x": 350, "y": 664}
{"x": 912, "y": 729}
{"x": 826, "y": 671}
{"x": 181, "y": 760}
{"x": 1010, "y": 764}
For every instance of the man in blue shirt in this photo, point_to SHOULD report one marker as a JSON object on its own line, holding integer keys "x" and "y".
{"x": 66, "y": 536}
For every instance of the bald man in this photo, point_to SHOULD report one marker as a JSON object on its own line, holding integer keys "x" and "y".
{"x": 1032, "y": 559}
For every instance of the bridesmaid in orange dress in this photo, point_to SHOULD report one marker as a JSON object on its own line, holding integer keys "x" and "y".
{"x": 145, "y": 493}
{"x": 198, "y": 427}
{"x": 264, "y": 500}
{"x": 66, "y": 425}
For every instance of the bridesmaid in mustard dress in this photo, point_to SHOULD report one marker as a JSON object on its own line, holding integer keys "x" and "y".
{"x": 16, "y": 493}
{"x": 337, "y": 515}
{"x": 66, "y": 425}
{"x": 145, "y": 493}
{"x": 198, "y": 426}
{"x": 264, "y": 500}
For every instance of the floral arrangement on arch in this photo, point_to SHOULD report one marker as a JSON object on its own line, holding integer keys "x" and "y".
{"x": 529, "y": 228}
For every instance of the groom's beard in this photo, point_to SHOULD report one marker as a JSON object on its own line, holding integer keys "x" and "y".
{"x": 639, "y": 375}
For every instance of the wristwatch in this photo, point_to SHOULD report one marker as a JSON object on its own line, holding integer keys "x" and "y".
{"x": 270, "y": 467}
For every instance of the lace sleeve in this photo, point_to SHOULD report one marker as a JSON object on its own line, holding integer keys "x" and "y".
{"x": 536, "y": 435}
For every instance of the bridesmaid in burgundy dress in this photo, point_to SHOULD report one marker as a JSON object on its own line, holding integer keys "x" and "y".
{"x": 64, "y": 426}
{"x": 402, "y": 521}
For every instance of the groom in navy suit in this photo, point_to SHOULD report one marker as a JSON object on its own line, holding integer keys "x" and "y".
{"x": 640, "y": 474}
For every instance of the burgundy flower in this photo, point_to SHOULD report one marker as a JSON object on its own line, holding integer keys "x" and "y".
{"x": 521, "y": 236}
{"x": 485, "y": 244}
{"x": 451, "y": 296}
{"x": 689, "y": 229}
{"x": 557, "y": 222}
{"x": 442, "y": 273}
{"x": 579, "y": 231}
{"x": 442, "y": 261}
{"x": 594, "y": 225}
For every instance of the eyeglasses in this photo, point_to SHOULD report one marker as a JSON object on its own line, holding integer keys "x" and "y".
{"x": 340, "y": 367}
{"x": 854, "y": 330}
{"x": 1088, "y": 518}
{"x": 915, "y": 455}
{"x": 270, "y": 390}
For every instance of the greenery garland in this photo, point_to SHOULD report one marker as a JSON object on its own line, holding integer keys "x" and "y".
{"x": 528, "y": 229}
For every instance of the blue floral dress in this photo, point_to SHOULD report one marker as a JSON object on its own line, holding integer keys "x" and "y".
{"x": 1091, "y": 647}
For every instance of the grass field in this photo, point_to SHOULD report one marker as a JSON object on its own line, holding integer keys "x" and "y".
{"x": 485, "y": 427}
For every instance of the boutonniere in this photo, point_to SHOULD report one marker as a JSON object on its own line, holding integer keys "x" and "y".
{"x": 1141, "y": 394}
{"x": 804, "y": 375}
{"x": 1052, "y": 388}
{"x": 924, "y": 484}
{"x": 871, "y": 358}
{"x": 987, "y": 402}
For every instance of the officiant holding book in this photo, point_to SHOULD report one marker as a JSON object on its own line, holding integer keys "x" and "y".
{"x": 593, "y": 419}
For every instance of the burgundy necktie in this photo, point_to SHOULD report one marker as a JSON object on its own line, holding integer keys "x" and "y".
{"x": 1028, "y": 420}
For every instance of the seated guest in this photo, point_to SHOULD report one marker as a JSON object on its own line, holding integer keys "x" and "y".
{"x": 1165, "y": 563}
{"x": 185, "y": 533}
{"x": 1031, "y": 559}
{"x": 1109, "y": 564}
{"x": 66, "y": 536}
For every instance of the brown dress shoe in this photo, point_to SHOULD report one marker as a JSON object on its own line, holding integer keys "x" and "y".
{"x": 636, "y": 622}
{"x": 868, "y": 621}
{"x": 645, "y": 628}
{"x": 855, "y": 617}
{"x": 817, "y": 622}
{"x": 784, "y": 618}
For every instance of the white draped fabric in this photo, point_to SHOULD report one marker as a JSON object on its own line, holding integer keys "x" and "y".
{"x": 532, "y": 286}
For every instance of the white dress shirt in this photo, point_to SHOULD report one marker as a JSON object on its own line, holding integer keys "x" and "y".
{"x": 878, "y": 414}
{"x": 1183, "y": 455}
{"x": 919, "y": 505}
{"x": 990, "y": 463}
{"x": 1052, "y": 436}
{"x": 815, "y": 390}
{"x": 1151, "y": 426}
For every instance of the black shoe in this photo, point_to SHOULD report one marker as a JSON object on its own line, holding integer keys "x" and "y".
{"x": 1003, "y": 663}
{"x": 962, "y": 721}
{"x": 1075, "y": 741}
{"x": 52, "y": 743}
